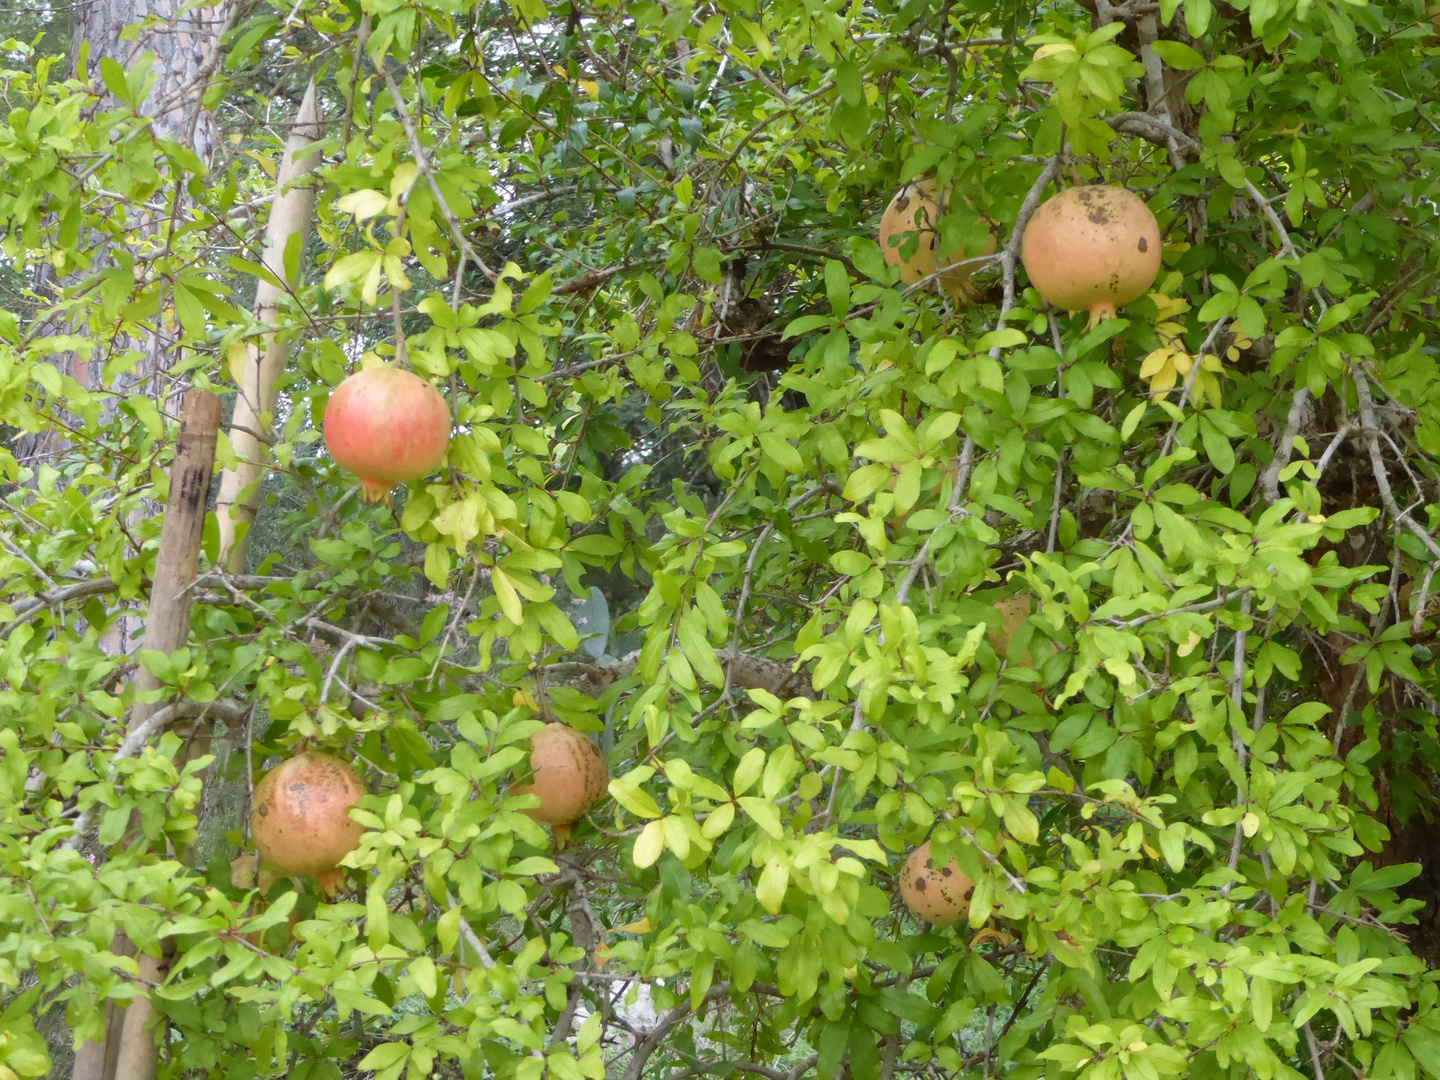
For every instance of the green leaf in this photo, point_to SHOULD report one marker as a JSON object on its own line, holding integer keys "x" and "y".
{"x": 384, "y": 1056}
{"x": 1197, "y": 17}
{"x": 781, "y": 452}
{"x": 113, "y": 75}
{"x": 1178, "y": 55}
{"x": 748, "y": 771}
{"x": 764, "y": 814}
{"x": 1424, "y": 1044}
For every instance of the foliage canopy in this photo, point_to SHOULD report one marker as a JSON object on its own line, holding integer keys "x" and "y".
{"x": 727, "y": 495}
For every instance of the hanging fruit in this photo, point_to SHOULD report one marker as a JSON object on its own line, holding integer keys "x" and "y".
{"x": 1014, "y": 610}
{"x": 939, "y": 896}
{"x": 912, "y": 218}
{"x": 1093, "y": 248}
{"x": 388, "y": 426}
{"x": 301, "y": 821}
{"x": 570, "y": 777}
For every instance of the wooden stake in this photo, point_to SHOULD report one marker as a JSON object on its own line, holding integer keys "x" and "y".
{"x": 167, "y": 623}
{"x": 290, "y": 214}
{"x": 123, "y": 1054}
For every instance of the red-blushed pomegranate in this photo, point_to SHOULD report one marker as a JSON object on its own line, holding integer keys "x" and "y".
{"x": 301, "y": 822}
{"x": 1093, "y": 248}
{"x": 388, "y": 426}
{"x": 912, "y": 217}
{"x": 942, "y": 896}
{"x": 570, "y": 777}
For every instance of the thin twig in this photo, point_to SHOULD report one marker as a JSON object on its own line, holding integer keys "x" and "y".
{"x": 1314, "y": 1053}
{"x": 1298, "y": 411}
{"x": 1287, "y": 249}
{"x": 1237, "y": 695}
{"x": 956, "y": 510}
{"x": 422, "y": 163}
{"x": 1377, "y": 463}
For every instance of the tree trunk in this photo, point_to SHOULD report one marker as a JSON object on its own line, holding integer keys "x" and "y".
{"x": 184, "y": 40}
{"x": 290, "y": 216}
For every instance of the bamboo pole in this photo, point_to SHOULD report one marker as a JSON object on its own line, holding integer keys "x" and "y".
{"x": 290, "y": 214}
{"x": 122, "y": 1054}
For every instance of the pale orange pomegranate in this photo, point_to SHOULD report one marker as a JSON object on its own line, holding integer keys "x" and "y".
{"x": 912, "y": 217}
{"x": 388, "y": 426}
{"x": 1014, "y": 610}
{"x": 1093, "y": 248}
{"x": 939, "y": 896}
{"x": 301, "y": 821}
{"x": 570, "y": 777}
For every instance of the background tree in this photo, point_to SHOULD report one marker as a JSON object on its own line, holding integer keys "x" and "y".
{"x": 1133, "y": 620}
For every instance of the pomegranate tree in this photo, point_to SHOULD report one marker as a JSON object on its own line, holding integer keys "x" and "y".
{"x": 1093, "y": 248}
{"x": 388, "y": 426}
{"x": 939, "y": 896}
{"x": 570, "y": 776}
{"x": 912, "y": 218}
{"x": 301, "y": 821}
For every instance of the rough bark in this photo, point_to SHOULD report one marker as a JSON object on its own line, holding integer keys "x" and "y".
{"x": 290, "y": 215}
{"x": 182, "y": 36}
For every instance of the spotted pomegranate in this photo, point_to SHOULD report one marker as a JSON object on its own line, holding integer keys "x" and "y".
{"x": 911, "y": 218}
{"x": 387, "y": 426}
{"x": 942, "y": 896}
{"x": 301, "y": 822}
{"x": 570, "y": 777}
{"x": 1093, "y": 248}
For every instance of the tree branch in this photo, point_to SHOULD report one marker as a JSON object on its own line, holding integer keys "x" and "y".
{"x": 1298, "y": 412}
{"x": 135, "y": 740}
{"x": 1377, "y": 463}
{"x": 651, "y": 1042}
{"x": 1153, "y": 129}
{"x": 743, "y": 670}
{"x": 1010, "y": 254}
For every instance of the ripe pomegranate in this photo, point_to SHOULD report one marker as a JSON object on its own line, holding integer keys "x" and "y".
{"x": 301, "y": 821}
{"x": 387, "y": 426}
{"x": 570, "y": 777}
{"x": 939, "y": 896}
{"x": 1092, "y": 248}
{"x": 914, "y": 209}
{"x": 1014, "y": 610}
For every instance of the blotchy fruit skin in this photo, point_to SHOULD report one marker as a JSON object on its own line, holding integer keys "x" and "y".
{"x": 942, "y": 896}
{"x": 1092, "y": 248}
{"x": 301, "y": 821}
{"x": 570, "y": 776}
{"x": 914, "y": 209}
{"x": 1014, "y": 610}
{"x": 387, "y": 426}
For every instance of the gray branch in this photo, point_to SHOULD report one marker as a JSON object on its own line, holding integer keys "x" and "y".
{"x": 744, "y": 671}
